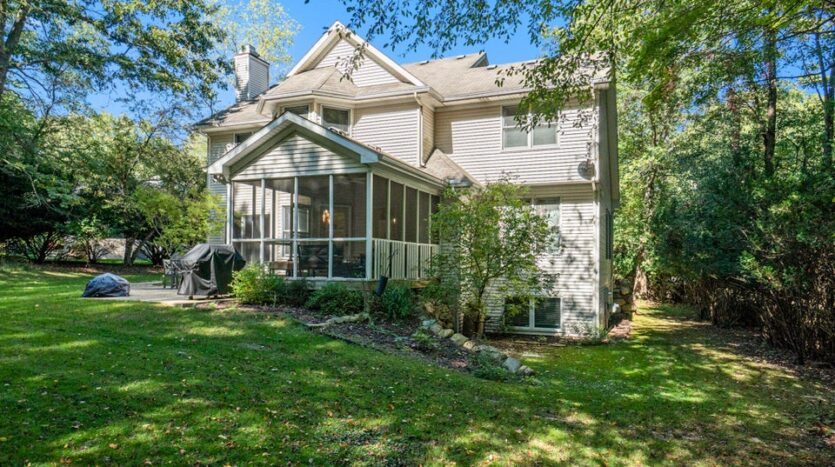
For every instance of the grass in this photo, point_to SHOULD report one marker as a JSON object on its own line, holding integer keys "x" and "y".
{"x": 92, "y": 382}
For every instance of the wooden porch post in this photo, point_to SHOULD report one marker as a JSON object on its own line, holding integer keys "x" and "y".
{"x": 230, "y": 212}
{"x": 262, "y": 221}
{"x": 369, "y": 225}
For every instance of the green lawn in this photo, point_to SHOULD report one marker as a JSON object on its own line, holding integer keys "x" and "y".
{"x": 91, "y": 382}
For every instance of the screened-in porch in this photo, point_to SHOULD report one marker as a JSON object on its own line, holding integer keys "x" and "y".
{"x": 336, "y": 226}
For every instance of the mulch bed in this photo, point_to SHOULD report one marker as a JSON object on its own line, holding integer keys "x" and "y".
{"x": 382, "y": 335}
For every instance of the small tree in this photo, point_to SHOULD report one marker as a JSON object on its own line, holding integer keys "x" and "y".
{"x": 490, "y": 237}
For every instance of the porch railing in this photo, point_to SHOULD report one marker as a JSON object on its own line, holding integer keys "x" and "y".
{"x": 402, "y": 260}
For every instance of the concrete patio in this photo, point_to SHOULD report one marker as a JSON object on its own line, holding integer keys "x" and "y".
{"x": 153, "y": 292}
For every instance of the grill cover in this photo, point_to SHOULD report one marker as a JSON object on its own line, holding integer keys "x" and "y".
{"x": 207, "y": 269}
{"x": 107, "y": 285}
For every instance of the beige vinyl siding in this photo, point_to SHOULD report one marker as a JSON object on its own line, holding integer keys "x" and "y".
{"x": 574, "y": 266}
{"x": 428, "y": 142}
{"x": 217, "y": 146}
{"x": 474, "y": 139}
{"x": 296, "y": 155}
{"x": 393, "y": 128}
{"x": 369, "y": 72}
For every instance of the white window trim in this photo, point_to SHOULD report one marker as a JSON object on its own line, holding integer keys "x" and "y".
{"x": 530, "y": 146}
{"x": 309, "y": 106}
{"x": 336, "y": 107}
{"x": 532, "y": 319}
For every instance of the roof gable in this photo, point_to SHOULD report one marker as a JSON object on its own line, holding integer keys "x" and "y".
{"x": 337, "y": 47}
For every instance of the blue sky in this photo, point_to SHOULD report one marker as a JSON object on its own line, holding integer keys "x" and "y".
{"x": 317, "y": 15}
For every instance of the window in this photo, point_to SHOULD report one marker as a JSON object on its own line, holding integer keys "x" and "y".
{"x": 543, "y": 134}
{"x": 539, "y": 313}
{"x": 241, "y": 137}
{"x": 300, "y": 110}
{"x": 336, "y": 118}
{"x": 550, "y": 209}
{"x": 546, "y": 313}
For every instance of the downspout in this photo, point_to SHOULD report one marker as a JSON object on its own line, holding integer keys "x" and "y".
{"x": 421, "y": 162}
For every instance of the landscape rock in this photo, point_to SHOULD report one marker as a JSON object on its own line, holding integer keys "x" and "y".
{"x": 427, "y": 323}
{"x": 459, "y": 339}
{"x": 436, "y": 329}
{"x": 524, "y": 370}
{"x": 511, "y": 364}
{"x": 446, "y": 333}
{"x": 469, "y": 345}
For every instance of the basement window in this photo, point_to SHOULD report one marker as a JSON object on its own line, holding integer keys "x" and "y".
{"x": 541, "y": 313}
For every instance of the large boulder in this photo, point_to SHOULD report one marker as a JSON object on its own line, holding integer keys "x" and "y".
{"x": 511, "y": 364}
{"x": 458, "y": 339}
{"x": 446, "y": 333}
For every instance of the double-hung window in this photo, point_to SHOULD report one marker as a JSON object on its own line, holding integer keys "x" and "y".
{"x": 339, "y": 119}
{"x": 514, "y": 137}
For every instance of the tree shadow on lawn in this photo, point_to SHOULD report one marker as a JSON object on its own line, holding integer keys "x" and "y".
{"x": 94, "y": 382}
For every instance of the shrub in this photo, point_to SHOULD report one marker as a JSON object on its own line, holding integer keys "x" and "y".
{"x": 424, "y": 340}
{"x": 397, "y": 302}
{"x": 336, "y": 299}
{"x": 298, "y": 292}
{"x": 485, "y": 367}
{"x": 253, "y": 285}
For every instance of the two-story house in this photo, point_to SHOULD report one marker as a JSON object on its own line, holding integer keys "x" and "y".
{"x": 335, "y": 178}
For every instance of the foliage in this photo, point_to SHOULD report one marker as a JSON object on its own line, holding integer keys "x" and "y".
{"x": 60, "y": 46}
{"x": 298, "y": 292}
{"x": 680, "y": 373}
{"x": 262, "y": 23}
{"x": 87, "y": 237}
{"x": 424, "y": 340}
{"x": 256, "y": 286}
{"x": 495, "y": 239}
{"x": 336, "y": 299}
{"x": 398, "y": 302}
{"x": 486, "y": 367}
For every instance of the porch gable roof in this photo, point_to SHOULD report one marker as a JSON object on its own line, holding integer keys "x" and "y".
{"x": 289, "y": 121}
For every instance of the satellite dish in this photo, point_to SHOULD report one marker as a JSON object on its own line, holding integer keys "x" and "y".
{"x": 586, "y": 169}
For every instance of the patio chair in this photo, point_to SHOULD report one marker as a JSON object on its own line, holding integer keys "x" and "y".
{"x": 170, "y": 273}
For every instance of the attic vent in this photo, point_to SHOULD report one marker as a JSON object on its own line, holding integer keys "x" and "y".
{"x": 531, "y": 62}
{"x": 460, "y": 57}
{"x": 491, "y": 67}
{"x": 424, "y": 62}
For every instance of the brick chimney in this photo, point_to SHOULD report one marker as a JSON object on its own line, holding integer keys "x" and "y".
{"x": 252, "y": 74}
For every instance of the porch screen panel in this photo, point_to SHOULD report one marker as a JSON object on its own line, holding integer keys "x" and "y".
{"x": 349, "y": 258}
{"x": 314, "y": 198}
{"x": 380, "y": 207}
{"x": 423, "y": 225}
{"x": 396, "y": 211}
{"x": 279, "y": 233}
{"x": 246, "y": 232}
{"x": 348, "y": 206}
{"x": 411, "y": 216}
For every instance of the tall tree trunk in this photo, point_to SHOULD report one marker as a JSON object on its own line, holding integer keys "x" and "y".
{"x": 129, "y": 255}
{"x": 9, "y": 44}
{"x": 770, "y": 131}
{"x": 827, "y": 99}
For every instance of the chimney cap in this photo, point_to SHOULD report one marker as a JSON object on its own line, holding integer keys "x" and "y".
{"x": 248, "y": 49}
